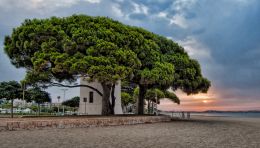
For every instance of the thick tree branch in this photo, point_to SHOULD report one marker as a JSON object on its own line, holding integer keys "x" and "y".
{"x": 72, "y": 86}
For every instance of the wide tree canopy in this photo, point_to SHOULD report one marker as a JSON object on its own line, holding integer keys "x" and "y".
{"x": 59, "y": 49}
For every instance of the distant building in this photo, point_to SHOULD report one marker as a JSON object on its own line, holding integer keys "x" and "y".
{"x": 91, "y": 101}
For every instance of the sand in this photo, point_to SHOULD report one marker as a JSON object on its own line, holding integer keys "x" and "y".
{"x": 199, "y": 132}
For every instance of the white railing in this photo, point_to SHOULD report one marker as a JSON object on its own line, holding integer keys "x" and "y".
{"x": 176, "y": 114}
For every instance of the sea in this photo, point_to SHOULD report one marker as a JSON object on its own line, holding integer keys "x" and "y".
{"x": 216, "y": 114}
{"x": 230, "y": 114}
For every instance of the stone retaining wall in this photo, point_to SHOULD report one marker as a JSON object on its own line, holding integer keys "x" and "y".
{"x": 49, "y": 123}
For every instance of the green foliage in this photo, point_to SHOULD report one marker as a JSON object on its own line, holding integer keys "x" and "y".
{"x": 34, "y": 108}
{"x": 161, "y": 73}
{"x": 63, "y": 48}
{"x": 55, "y": 108}
{"x": 38, "y": 95}
{"x": 126, "y": 99}
{"x": 73, "y": 102}
{"x": 171, "y": 96}
{"x": 6, "y": 105}
{"x": 188, "y": 75}
{"x": 152, "y": 93}
{"x": 10, "y": 90}
{"x": 136, "y": 93}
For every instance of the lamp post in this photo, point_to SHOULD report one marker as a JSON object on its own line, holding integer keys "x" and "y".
{"x": 23, "y": 103}
{"x": 23, "y": 88}
{"x": 64, "y": 93}
{"x": 58, "y": 104}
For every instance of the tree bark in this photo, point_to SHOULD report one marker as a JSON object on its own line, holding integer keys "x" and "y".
{"x": 12, "y": 108}
{"x": 39, "y": 109}
{"x": 106, "y": 106}
{"x": 140, "y": 101}
{"x": 113, "y": 99}
{"x": 149, "y": 107}
{"x": 152, "y": 107}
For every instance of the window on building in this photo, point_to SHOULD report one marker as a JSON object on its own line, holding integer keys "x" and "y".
{"x": 91, "y": 97}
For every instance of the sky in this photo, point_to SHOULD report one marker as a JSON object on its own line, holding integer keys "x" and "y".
{"x": 223, "y": 35}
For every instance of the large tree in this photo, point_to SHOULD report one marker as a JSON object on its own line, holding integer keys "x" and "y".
{"x": 10, "y": 90}
{"x": 186, "y": 74}
{"x": 63, "y": 49}
{"x": 59, "y": 49}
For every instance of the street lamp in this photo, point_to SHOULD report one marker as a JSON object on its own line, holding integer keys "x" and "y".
{"x": 58, "y": 97}
{"x": 23, "y": 84}
{"x": 64, "y": 93}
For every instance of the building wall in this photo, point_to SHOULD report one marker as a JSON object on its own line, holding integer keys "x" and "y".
{"x": 95, "y": 108}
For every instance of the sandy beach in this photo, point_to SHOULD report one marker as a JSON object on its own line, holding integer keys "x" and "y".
{"x": 197, "y": 132}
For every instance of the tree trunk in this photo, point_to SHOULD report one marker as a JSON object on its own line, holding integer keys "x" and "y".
{"x": 152, "y": 107}
{"x": 140, "y": 101}
{"x": 38, "y": 109}
{"x": 12, "y": 108}
{"x": 106, "y": 106}
{"x": 148, "y": 107}
{"x": 113, "y": 99}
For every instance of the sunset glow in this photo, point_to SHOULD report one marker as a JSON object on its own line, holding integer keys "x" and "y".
{"x": 213, "y": 100}
{"x": 205, "y": 101}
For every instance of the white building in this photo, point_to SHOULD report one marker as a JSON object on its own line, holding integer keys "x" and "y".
{"x": 91, "y": 101}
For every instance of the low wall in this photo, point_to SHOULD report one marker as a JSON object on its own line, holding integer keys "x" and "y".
{"x": 79, "y": 122}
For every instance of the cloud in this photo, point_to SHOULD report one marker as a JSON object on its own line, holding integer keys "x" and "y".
{"x": 194, "y": 48}
{"x": 36, "y": 4}
{"x": 140, "y": 8}
{"x": 136, "y": 11}
{"x": 179, "y": 20}
{"x": 232, "y": 36}
{"x": 93, "y": 1}
{"x": 182, "y": 5}
{"x": 178, "y": 13}
{"x": 162, "y": 14}
{"x": 41, "y": 6}
{"x": 117, "y": 10}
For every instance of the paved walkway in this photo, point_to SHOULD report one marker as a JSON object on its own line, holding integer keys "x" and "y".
{"x": 206, "y": 132}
